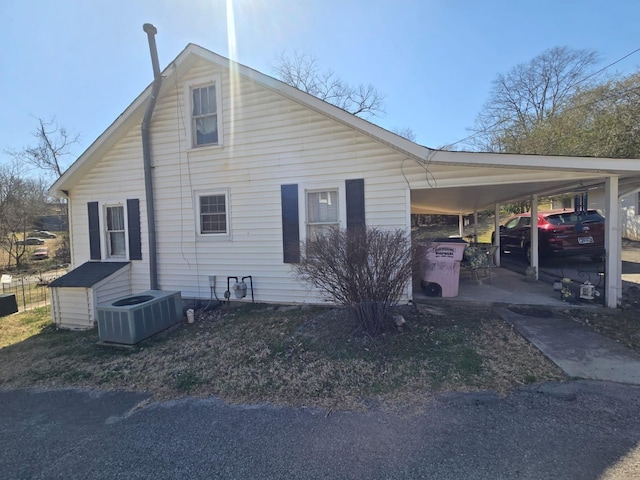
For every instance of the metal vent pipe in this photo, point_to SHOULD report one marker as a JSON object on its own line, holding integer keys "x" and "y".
{"x": 146, "y": 157}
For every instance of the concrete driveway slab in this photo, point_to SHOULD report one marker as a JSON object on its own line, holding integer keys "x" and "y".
{"x": 576, "y": 349}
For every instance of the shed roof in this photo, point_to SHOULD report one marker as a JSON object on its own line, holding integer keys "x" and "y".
{"x": 88, "y": 274}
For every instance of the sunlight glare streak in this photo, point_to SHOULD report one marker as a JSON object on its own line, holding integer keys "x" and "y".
{"x": 233, "y": 70}
{"x": 627, "y": 467}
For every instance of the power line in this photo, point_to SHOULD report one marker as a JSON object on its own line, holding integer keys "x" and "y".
{"x": 608, "y": 66}
{"x": 504, "y": 120}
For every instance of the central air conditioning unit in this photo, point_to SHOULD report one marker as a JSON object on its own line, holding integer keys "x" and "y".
{"x": 131, "y": 319}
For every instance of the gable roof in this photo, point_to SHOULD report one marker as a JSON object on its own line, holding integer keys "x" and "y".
{"x": 178, "y": 67}
{"x": 588, "y": 166}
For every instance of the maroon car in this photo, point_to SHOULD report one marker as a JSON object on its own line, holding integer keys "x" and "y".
{"x": 560, "y": 233}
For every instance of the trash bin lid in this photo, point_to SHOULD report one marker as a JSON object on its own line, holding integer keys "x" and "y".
{"x": 449, "y": 240}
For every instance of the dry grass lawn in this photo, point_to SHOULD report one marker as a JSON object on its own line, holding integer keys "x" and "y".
{"x": 286, "y": 356}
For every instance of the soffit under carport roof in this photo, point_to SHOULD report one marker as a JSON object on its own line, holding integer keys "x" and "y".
{"x": 466, "y": 199}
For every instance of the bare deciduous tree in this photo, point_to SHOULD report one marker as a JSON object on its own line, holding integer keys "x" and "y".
{"x": 405, "y": 132}
{"x": 531, "y": 93}
{"x": 301, "y": 71}
{"x": 52, "y": 152}
{"x": 51, "y": 155}
{"x": 22, "y": 199}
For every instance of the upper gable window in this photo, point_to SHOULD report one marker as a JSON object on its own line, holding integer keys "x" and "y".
{"x": 205, "y": 112}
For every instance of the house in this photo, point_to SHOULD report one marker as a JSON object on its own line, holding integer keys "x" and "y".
{"x": 243, "y": 167}
{"x": 629, "y": 208}
{"x": 629, "y": 203}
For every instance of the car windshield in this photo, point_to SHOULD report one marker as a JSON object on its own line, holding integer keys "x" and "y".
{"x": 571, "y": 218}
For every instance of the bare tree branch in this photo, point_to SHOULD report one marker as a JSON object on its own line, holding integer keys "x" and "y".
{"x": 22, "y": 199}
{"x": 531, "y": 93}
{"x": 301, "y": 71}
{"x": 52, "y": 152}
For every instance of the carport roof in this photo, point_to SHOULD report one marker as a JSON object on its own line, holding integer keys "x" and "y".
{"x": 462, "y": 182}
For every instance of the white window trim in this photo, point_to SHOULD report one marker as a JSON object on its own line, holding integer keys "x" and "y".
{"x": 189, "y": 86}
{"x": 103, "y": 226}
{"x": 316, "y": 187}
{"x": 196, "y": 208}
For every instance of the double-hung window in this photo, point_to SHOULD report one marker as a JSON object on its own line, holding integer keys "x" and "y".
{"x": 213, "y": 213}
{"x": 204, "y": 116}
{"x": 322, "y": 211}
{"x": 116, "y": 238}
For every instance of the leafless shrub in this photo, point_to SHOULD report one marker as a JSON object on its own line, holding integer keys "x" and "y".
{"x": 366, "y": 270}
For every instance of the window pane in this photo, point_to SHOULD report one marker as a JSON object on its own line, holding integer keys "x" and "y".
{"x": 115, "y": 218}
{"x": 213, "y": 214}
{"x": 117, "y": 243}
{"x": 211, "y": 104}
{"x": 206, "y": 130}
{"x": 196, "y": 102}
{"x": 204, "y": 101}
{"x": 322, "y": 207}
{"x": 313, "y": 231}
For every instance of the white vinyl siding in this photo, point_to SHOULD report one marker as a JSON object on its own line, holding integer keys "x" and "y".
{"x": 75, "y": 308}
{"x": 271, "y": 141}
{"x": 72, "y": 307}
{"x": 118, "y": 176}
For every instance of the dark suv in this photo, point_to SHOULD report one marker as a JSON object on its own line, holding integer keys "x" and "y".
{"x": 560, "y": 233}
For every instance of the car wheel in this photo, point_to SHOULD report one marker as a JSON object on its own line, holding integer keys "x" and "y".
{"x": 527, "y": 250}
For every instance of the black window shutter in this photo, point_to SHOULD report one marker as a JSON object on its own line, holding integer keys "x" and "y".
{"x": 355, "y": 203}
{"x": 133, "y": 225}
{"x": 290, "y": 223}
{"x": 94, "y": 231}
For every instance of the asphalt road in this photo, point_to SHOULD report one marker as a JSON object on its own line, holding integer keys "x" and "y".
{"x": 577, "y": 430}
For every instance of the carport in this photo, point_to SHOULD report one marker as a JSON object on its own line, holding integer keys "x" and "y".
{"x": 463, "y": 183}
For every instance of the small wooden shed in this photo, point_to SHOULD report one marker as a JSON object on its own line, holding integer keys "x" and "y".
{"x": 75, "y": 296}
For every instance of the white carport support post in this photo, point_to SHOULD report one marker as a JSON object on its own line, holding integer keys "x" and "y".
{"x": 534, "y": 236}
{"x": 496, "y": 237}
{"x": 612, "y": 244}
{"x": 460, "y": 225}
{"x": 475, "y": 226}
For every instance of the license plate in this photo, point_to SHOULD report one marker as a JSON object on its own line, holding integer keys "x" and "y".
{"x": 585, "y": 240}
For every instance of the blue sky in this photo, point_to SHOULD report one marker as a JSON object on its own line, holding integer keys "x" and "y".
{"x": 85, "y": 61}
